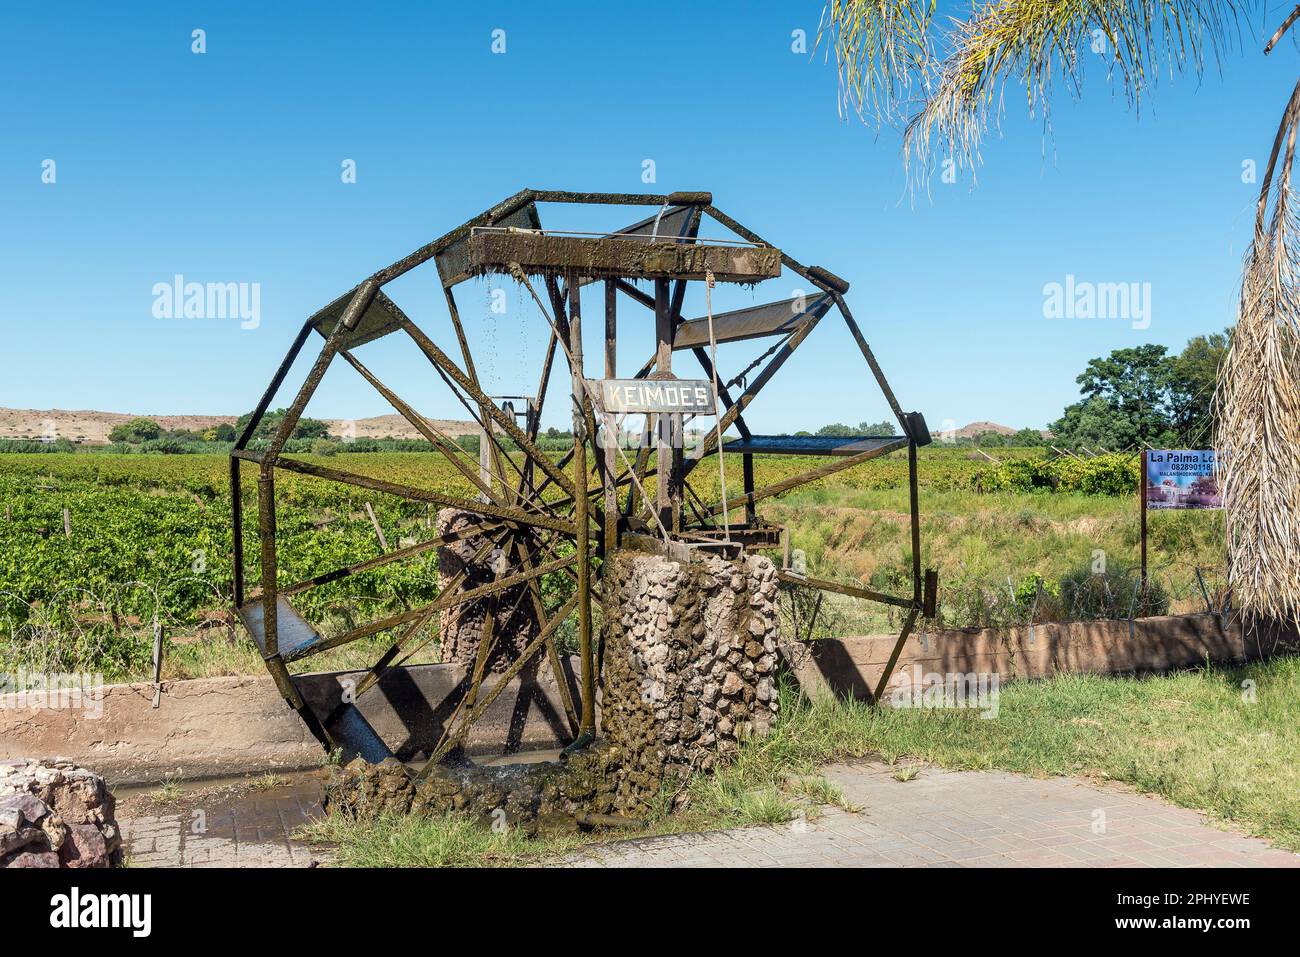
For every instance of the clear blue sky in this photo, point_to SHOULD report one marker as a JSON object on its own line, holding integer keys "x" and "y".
{"x": 225, "y": 167}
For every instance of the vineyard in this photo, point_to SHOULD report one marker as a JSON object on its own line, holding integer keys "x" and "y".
{"x": 95, "y": 549}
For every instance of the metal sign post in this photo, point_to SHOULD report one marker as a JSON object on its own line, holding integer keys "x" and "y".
{"x": 1143, "y": 525}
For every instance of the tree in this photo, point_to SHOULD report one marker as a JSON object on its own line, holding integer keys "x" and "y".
{"x": 270, "y": 424}
{"x": 1135, "y": 384}
{"x": 1025, "y": 438}
{"x": 1144, "y": 395}
{"x": 225, "y": 432}
{"x": 1194, "y": 375}
{"x": 1092, "y": 423}
{"x": 838, "y": 430}
{"x": 870, "y": 429}
{"x": 878, "y": 429}
{"x": 136, "y": 431}
{"x": 1126, "y": 400}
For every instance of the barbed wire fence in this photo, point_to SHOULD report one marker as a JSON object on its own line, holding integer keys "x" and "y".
{"x": 1025, "y": 600}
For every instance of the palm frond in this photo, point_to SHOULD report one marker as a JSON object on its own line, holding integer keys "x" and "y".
{"x": 1258, "y": 401}
{"x": 883, "y": 48}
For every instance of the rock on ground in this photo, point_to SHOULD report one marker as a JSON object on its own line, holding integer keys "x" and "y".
{"x": 55, "y": 813}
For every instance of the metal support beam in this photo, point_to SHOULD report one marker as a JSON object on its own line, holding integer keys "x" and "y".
{"x": 803, "y": 478}
{"x": 610, "y": 423}
{"x": 586, "y": 653}
{"x": 365, "y": 295}
{"x": 508, "y": 514}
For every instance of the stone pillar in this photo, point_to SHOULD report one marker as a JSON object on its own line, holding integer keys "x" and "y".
{"x": 689, "y": 661}
{"x": 461, "y": 626}
{"x": 689, "y": 671}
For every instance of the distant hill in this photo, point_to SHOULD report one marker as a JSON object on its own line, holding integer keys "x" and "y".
{"x": 92, "y": 427}
{"x": 979, "y": 428}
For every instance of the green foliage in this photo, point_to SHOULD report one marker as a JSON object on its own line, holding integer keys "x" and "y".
{"x": 1195, "y": 375}
{"x": 1126, "y": 400}
{"x": 1114, "y": 592}
{"x": 165, "y": 446}
{"x": 1033, "y": 589}
{"x": 1143, "y": 395}
{"x": 270, "y": 424}
{"x": 137, "y": 430}
{"x": 1102, "y": 475}
{"x": 873, "y": 429}
{"x": 31, "y": 445}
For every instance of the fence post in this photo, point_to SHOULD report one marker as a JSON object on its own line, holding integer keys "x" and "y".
{"x": 379, "y": 531}
{"x": 1209, "y": 606}
{"x": 157, "y": 662}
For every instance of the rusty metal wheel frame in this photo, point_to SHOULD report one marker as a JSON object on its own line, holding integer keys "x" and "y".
{"x": 545, "y": 512}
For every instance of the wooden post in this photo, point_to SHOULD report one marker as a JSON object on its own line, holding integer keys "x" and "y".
{"x": 751, "y": 515}
{"x": 665, "y": 485}
{"x": 611, "y": 435}
{"x": 379, "y": 531}
{"x": 67, "y": 524}
{"x": 585, "y": 651}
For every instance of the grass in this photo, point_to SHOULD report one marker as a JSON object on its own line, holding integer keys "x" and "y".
{"x": 413, "y": 841}
{"x": 267, "y": 782}
{"x": 1222, "y": 741}
{"x": 1219, "y": 740}
{"x": 169, "y": 791}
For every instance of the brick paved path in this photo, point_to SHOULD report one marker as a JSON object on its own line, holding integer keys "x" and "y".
{"x": 961, "y": 819}
{"x": 938, "y": 819}
{"x": 248, "y": 831}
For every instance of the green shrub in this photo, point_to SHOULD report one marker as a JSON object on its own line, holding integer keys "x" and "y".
{"x": 1113, "y": 474}
{"x": 1113, "y": 593}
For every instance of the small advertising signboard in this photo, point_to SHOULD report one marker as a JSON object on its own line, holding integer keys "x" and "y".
{"x": 1181, "y": 478}
{"x": 1175, "y": 478}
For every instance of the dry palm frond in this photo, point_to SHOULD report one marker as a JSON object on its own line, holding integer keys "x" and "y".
{"x": 882, "y": 48}
{"x": 1258, "y": 402}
